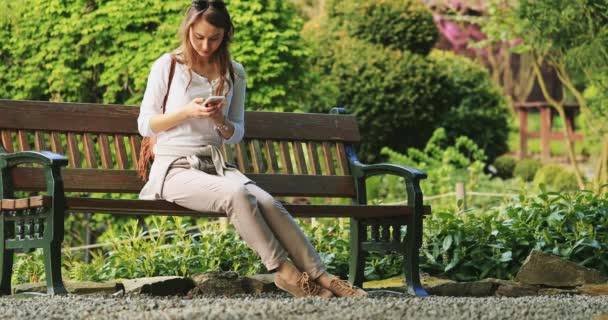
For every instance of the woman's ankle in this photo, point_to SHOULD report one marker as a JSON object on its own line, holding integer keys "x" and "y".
{"x": 287, "y": 271}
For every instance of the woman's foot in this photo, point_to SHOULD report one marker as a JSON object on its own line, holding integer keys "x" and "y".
{"x": 299, "y": 284}
{"x": 340, "y": 288}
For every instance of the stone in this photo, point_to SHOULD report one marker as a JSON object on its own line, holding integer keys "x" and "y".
{"x": 218, "y": 283}
{"x": 549, "y": 270}
{"x": 594, "y": 289}
{"x": 74, "y": 287}
{"x": 259, "y": 283}
{"x": 556, "y": 291}
{"x": 515, "y": 289}
{"x": 464, "y": 289}
{"x": 159, "y": 286}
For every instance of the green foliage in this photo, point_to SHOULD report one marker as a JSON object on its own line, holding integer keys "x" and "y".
{"x": 267, "y": 43}
{"x": 102, "y": 51}
{"x": 505, "y": 165}
{"x": 444, "y": 164}
{"x": 477, "y": 244}
{"x": 395, "y": 95}
{"x": 395, "y": 24}
{"x": 477, "y": 108}
{"x": 29, "y": 268}
{"x": 526, "y": 169}
{"x": 555, "y": 177}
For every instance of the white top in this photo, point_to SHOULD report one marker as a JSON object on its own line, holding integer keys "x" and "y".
{"x": 192, "y": 132}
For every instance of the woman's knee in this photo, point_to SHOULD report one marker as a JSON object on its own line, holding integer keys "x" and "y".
{"x": 240, "y": 196}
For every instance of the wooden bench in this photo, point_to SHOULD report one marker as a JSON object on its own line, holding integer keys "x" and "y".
{"x": 287, "y": 154}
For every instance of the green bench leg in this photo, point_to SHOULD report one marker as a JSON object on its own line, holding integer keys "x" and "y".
{"x": 413, "y": 241}
{"x": 6, "y": 265}
{"x": 357, "y": 255}
{"x": 52, "y": 269}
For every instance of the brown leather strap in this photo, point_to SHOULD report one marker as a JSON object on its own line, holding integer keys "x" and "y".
{"x": 171, "y": 72}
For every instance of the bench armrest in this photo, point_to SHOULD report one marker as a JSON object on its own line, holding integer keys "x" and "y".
{"x": 369, "y": 170}
{"x": 43, "y": 158}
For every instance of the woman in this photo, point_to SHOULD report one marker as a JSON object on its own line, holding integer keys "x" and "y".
{"x": 188, "y": 168}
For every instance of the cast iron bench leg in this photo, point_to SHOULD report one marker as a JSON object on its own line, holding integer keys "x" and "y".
{"x": 413, "y": 241}
{"x": 6, "y": 265}
{"x": 357, "y": 255}
{"x": 52, "y": 268}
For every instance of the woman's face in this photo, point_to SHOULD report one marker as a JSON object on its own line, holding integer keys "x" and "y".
{"x": 205, "y": 38}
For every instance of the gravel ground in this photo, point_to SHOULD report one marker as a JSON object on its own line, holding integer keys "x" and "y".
{"x": 278, "y": 306}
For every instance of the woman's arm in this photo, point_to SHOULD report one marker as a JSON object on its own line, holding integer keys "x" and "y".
{"x": 235, "y": 121}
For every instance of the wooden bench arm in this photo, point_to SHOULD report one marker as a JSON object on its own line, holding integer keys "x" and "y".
{"x": 44, "y": 158}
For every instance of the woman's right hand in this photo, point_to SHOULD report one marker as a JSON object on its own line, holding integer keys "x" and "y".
{"x": 196, "y": 110}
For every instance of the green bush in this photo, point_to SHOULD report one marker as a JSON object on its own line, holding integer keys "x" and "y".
{"x": 396, "y": 95}
{"x": 556, "y": 177}
{"x": 477, "y": 107}
{"x": 526, "y": 169}
{"x": 101, "y": 51}
{"x": 478, "y": 244}
{"x": 396, "y": 24}
{"x": 505, "y": 165}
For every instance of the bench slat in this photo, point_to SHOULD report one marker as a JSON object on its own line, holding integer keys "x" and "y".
{"x": 22, "y": 139}
{"x": 89, "y": 150}
{"x": 115, "y": 119}
{"x": 241, "y": 155}
{"x": 287, "y": 167}
{"x": 39, "y": 141}
{"x": 142, "y": 207}
{"x": 342, "y": 159}
{"x": 121, "y": 151}
{"x": 126, "y": 181}
{"x": 299, "y": 156}
{"x": 73, "y": 151}
{"x": 135, "y": 142}
{"x": 105, "y": 152}
{"x": 7, "y": 141}
{"x": 271, "y": 157}
{"x": 328, "y": 159}
{"x": 313, "y": 158}
{"x": 56, "y": 145}
{"x": 256, "y": 156}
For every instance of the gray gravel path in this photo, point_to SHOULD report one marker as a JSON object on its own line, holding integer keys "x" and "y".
{"x": 277, "y": 306}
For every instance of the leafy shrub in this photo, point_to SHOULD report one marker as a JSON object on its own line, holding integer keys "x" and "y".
{"x": 556, "y": 177}
{"x": 504, "y": 165}
{"x": 396, "y": 24}
{"x": 477, "y": 244}
{"x": 526, "y": 169}
{"x": 477, "y": 108}
{"x": 101, "y": 51}
{"x": 396, "y": 95}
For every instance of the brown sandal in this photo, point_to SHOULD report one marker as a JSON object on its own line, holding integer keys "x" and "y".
{"x": 304, "y": 288}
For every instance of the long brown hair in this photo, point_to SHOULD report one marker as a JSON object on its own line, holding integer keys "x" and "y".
{"x": 216, "y": 14}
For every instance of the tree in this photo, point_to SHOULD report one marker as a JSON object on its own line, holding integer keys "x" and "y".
{"x": 572, "y": 38}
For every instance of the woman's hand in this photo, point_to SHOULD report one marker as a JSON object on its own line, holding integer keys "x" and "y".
{"x": 196, "y": 110}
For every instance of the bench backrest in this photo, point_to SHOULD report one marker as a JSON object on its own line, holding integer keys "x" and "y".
{"x": 288, "y": 154}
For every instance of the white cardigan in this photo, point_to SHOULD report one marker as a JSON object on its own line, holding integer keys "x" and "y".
{"x": 193, "y": 134}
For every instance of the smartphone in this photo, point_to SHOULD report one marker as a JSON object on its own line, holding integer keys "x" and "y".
{"x": 214, "y": 100}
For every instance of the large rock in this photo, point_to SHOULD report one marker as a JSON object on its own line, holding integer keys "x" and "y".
{"x": 218, "y": 284}
{"x": 548, "y": 270}
{"x": 515, "y": 289}
{"x": 594, "y": 289}
{"x": 259, "y": 283}
{"x": 464, "y": 289}
{"x": 74, "y": 287}
{"x": 159, "y": 286}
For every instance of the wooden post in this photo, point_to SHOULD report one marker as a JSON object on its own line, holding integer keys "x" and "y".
{"x": 523, "y": 132}
{"x": 461, "y": 196}
{"x": 545, "y": 133}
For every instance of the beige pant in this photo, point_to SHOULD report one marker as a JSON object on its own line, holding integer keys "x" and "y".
{"x": 261, "y": 221}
